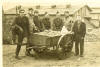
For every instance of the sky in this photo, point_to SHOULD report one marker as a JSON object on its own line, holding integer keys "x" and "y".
{"x": 7, "y": 4}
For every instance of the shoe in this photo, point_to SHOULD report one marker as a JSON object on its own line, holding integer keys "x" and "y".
{"x": 17, "y": 58}
{"x": 28, "y": 54}
{"x": 81, "y": 55}
{"x": 76, "y": 54}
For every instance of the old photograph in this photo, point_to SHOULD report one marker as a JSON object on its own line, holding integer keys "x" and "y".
{"x": 51, "y": 33}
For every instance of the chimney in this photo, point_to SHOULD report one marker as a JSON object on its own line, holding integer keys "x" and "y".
{"x": 68, "y": 6}
{"x": 53, "y": 6}
{"x": 38, "y": 7}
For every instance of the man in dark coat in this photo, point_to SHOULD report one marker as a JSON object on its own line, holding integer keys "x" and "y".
{"x": 37, "y": 21}
{"x": 46, "y": 22}
{"x": 21, "y": 25}
{"x": 57, "y": 23}
{"x": 79, "y": 29}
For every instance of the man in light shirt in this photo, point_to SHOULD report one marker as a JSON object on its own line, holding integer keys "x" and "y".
{"x": 66, "y": 31}
{"x": 32, "y": 27}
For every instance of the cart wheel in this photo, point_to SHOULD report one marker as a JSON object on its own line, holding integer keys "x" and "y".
{"x": 61, "y": 56}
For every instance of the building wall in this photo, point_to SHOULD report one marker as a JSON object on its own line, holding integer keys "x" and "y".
{"x": 96, "y": 22}
{"x": 8, "y": 19}
{"x": 96, "y": 9}
{"x": 84, "y": 11}
{"x": 95, "y": 15}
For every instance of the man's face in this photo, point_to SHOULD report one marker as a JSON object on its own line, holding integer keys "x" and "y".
{"x": 70, "y": 17}
{"x": 36, "y": 14}
{"x": 79, "y": 19}
{"x": 46, "y": 15}
{"x": 66, "y": 14}
{"x": 30, "y": 12}
{"x": 21, "y": 13}
{"x": 58, "y": 14}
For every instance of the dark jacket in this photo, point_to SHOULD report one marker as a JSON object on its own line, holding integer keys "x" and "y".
{"x": 81, "y": 31}
{"x": 21, "y": 22}
{"x": 46, "y": 23}
{"x": 37, "y": 22}
{"x": 57, "y": 24}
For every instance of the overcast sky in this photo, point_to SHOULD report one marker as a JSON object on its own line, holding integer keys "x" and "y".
{"x": 11, "y": 3}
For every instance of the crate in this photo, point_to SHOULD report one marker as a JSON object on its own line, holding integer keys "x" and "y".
{"x": 46, "y": 38}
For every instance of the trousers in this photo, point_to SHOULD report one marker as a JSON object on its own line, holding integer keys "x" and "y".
{"x": 21, "y": 36}
{"x": 79, "y": 42}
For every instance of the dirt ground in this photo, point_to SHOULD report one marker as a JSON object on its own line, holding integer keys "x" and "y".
{"x": 91, "y": 58}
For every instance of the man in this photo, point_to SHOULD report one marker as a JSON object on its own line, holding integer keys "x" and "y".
{"x": 57, "y": 22}
{"x": 31, "y": 20}
{"x": 13, "y": 34}
{"x": 67, "y": 25}
{"x": 65, "y": 32}
{"x": 32, "y": 28}
{"x": 21, "y": 24}
{"x": 46, "y": 22}
{"x": 79, "y": 30}
{"x": 37, "y": 21}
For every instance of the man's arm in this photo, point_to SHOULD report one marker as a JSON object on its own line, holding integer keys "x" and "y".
{"x": 34, "y": 25}
{"x": 84, "y": 30}
{"x": 27, "y": 24}
{"x": 53, "y": 25}
{"x": 16, "y": 25}
{"x": 42, "y": 24}
{"x": 73, "y": 27}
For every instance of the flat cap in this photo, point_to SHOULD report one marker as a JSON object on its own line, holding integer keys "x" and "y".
{"x": 57, "y": 12}
{"x": 36, "y": 11}
{"x": 30, "y": 8}
{"x": 21, "y": 11}
{"x": 66, "y": 11}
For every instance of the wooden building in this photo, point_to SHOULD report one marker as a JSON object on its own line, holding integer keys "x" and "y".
{"x": 95, "y": 14}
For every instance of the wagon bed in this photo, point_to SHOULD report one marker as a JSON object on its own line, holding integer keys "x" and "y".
{"x": 46, "y": 38}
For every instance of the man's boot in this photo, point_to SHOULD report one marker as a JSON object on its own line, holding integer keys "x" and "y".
{"x": 17, "y": 51}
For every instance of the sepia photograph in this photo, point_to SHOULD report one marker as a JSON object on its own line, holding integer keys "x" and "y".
{"x": 50, "y": 33}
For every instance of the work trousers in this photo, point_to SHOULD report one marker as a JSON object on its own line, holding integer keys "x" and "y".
{"x": 21, "y": 36}
{"x": 79, "y": 42}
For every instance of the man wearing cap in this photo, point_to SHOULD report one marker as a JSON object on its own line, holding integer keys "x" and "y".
{"x": 31, "y": 20}
{"x": 37, "y": 21}
{"x": 32, "y": 28}
{"x": 57, "y": 22}
{"x": 21, "y": 24}
{"x": 46, "y": 22}
{"x": 79, "y": 29}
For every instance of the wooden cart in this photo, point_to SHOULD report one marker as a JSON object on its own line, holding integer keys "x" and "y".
{"x": 44, "y": 42}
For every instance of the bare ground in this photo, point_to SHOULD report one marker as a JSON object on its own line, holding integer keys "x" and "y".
{"x": 91, "y": 58}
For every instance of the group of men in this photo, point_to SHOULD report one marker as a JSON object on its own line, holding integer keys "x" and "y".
{"x": 25, "y": 25}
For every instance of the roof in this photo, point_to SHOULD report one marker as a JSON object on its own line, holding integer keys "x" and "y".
{"x": 95, "y": 10}
{"x": 10, "y": 11}
{"x": 61, "y": 8}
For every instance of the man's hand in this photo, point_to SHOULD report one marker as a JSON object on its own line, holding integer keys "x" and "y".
{"x": 21, "y": 29}
{"x": 12, "y": 27}
{"x": 36, "y": 29}
{"x": 82, "y": 37}
{"x": 72, "y": 32}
